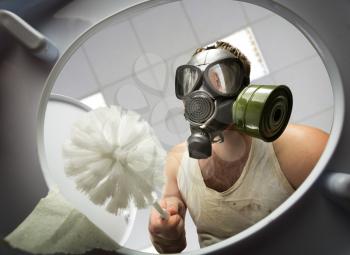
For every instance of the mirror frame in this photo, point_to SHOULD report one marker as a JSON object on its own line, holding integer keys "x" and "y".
{"x": 296, "y": 20}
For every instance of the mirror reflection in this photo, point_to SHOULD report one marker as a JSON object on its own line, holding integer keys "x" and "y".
{"x": 187, "y": 70}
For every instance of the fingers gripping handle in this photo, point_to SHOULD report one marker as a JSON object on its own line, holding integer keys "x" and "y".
{"x": 163, "y": 214}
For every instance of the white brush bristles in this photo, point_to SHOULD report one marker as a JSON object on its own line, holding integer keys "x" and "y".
{"x": 114, "y": 157}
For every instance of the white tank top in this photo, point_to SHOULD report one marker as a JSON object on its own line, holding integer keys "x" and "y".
{"x": 261, "y": 188}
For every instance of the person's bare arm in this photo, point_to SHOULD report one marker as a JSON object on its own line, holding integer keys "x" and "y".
{"x": 298, "y": 150}
{"x": 168, "y": 236}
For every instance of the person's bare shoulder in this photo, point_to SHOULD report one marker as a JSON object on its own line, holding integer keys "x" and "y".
{"x": 174, "y": 159}
{"x": 298, "y": 150}
{"x": 178, "y": 150}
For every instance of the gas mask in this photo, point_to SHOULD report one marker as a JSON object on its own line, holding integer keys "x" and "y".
{"x": 216, "y": 95}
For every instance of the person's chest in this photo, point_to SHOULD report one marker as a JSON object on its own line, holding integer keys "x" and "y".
{"x": 220, "y": 176}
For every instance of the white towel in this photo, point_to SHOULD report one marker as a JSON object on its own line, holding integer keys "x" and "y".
{"x": 55, "y": 226}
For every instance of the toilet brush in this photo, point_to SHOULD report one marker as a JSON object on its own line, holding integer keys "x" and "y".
{"x": 115, "y": 158}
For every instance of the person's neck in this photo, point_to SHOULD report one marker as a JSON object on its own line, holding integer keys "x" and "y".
{"x": 235, "y": 147}
{"x": 224, "y": 167}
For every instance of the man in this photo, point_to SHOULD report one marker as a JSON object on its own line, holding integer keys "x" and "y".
{"x": 244, "y": 178}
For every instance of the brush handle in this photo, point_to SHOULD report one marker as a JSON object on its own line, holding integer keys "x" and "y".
{"x": 163, "y": 214}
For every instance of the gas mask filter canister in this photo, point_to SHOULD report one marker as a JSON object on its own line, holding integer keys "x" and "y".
{"x": 263, "y": 111}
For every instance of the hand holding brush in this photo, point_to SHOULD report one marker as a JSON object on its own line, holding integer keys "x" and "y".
{"x": 168, "y": 235}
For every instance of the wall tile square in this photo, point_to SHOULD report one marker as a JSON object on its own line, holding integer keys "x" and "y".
{"x": 76, "y": 79}
{"x": 213, "y": 20}
{"x": 281, "y": 43}
{"x": 164, "y": 30}
{"x": 255, "y": 12}
{"x": 113, "y": 52}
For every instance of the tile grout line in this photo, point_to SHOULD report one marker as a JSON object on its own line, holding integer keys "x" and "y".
{"x": 165, "y": 60}
{"x": 148, "y": 62}
{"x": 190, "y": 22}
{"x": 139, "y": 42}
{"x": 293, "y": 64}
{"x": 92, "y": 70}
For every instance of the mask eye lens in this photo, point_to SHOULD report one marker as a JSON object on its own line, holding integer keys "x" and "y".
{"x": 186, "y": 79}
{"x": 225, "y": 77}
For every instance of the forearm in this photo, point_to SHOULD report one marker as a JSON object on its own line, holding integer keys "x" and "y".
{"x": 168, "y": 236}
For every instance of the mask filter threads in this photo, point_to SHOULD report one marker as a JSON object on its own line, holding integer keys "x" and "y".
{"x": 263, "y": 111}
{"x": 199, "y": 107}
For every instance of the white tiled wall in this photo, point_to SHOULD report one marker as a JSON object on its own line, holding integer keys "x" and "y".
{"x": 310, "y": 86}
{"x": 254, "y": 13}
{"x": 121, "y": 94}
{"x": 133, "y": 63}
{"x": 76, "y": 79}
{"x": 145, "y": 51}
{"x": 208, "y": 23}
{"x": 164, "y": 30}
{"x": 281, "y": 43}
{"x": 113, "y": 52}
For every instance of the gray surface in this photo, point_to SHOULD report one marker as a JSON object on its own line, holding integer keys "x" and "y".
{"x": 21, "y": 182}
{"x": 28, "y": 36}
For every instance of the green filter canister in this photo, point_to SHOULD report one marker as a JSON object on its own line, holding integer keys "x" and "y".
{"x": 263, "y": 111}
